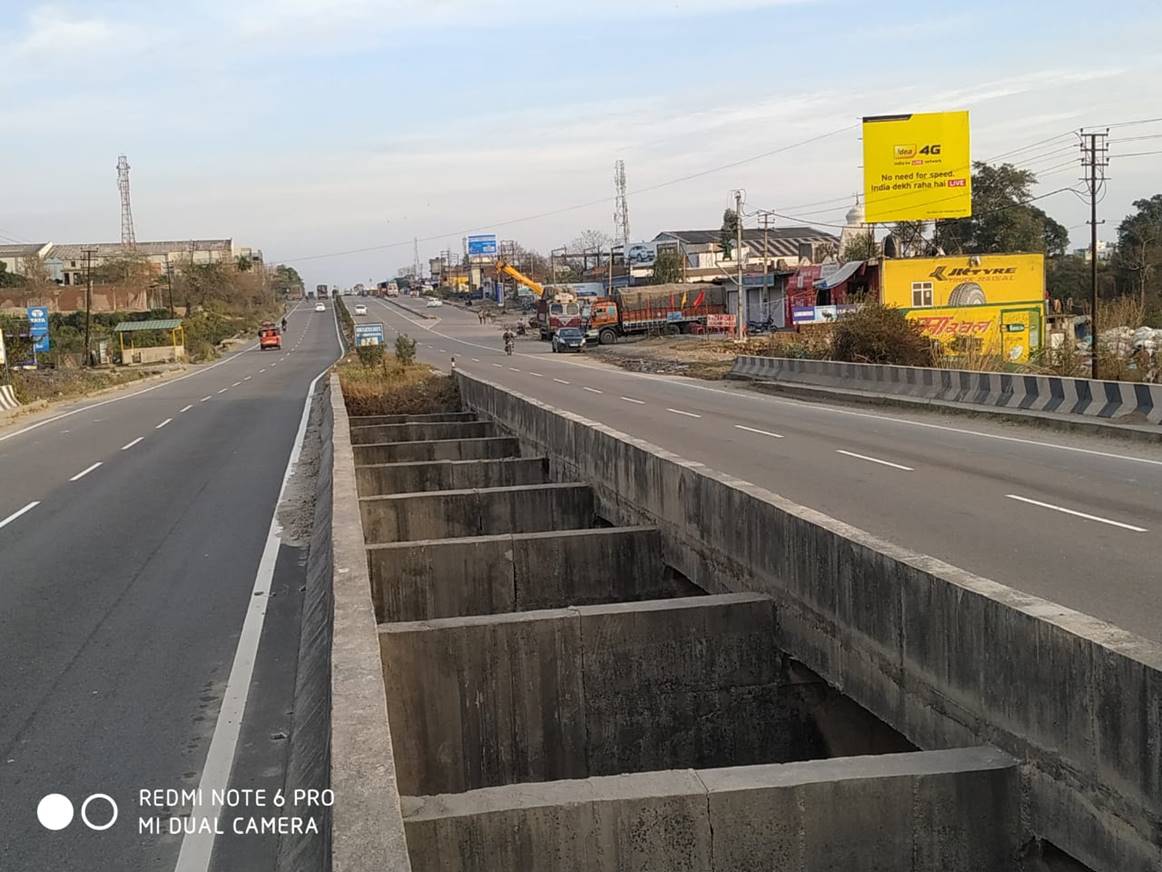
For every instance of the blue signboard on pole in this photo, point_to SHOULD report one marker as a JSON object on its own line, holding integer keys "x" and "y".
{"x": 38, "y": 328}
{"x": 482, "y": 244}
{"x": 369, "y": 334}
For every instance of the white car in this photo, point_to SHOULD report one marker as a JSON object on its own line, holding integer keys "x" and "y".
{"x": 433, "y": 303}
{"x": 360, "y": 309}
{"x": 319, "y": 307}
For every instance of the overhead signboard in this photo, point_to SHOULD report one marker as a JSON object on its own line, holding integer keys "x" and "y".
{"x": 917, "y": 167}
{"x": 482, "y": 245}
{"x": 641, "y": 254}
{"x": 369, "y": 334}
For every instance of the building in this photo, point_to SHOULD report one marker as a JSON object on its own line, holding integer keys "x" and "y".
{"x": 986, "y": 304}
{"x": 762, "y": 250}
{"x": 1105, "y": 251}
{"x": 66, "y": 263}
{"x": 14, "y": 257}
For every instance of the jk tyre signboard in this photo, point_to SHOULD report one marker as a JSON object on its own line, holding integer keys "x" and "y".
{"x": 917, "y": 167}
{"x": 482, "y": 245}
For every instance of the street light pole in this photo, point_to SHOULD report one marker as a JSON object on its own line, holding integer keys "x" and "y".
{"x": 738, "y": 257}
{"x": 88, "y": 299}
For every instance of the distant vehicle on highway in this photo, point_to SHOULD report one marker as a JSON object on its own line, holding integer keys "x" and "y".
{"x": 433, "y": 303}
{"x": 568, "y": 339}
{"x": 269, "y": 336}
{"x": 319, "y": 307}
{"x": 360, "y": 309}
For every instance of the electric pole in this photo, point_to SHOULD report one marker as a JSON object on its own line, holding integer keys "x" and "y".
{"x": 738, "y": 195}
{"x": 1095, "y": 158}
{"x": 88, "y": 300}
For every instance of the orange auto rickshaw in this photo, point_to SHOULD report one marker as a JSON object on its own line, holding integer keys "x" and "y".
{"x": 269, "y": 336}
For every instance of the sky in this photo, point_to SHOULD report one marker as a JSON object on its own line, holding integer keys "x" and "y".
{"x": 331, "y": 133}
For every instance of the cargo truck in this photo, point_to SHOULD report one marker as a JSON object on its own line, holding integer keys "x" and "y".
{"x": 669, "y": 309}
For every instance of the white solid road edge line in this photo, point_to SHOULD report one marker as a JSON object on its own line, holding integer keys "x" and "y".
{"x": 18, "y": 513}
{"x": 757, "y": 430}
{"x": 85, "y": 471}
{"x": 1076, "y": 513}
{"x": 129, "y": 445}
{"x": 197, "y": 847}
{"x": 875, "y": 460}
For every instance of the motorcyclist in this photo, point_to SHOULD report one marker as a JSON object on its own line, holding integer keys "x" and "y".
{"x": 284, "y": 324}
{"x": 509, "y": 340}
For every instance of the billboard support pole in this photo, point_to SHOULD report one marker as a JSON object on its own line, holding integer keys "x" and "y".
{"x": 738, "y": 257}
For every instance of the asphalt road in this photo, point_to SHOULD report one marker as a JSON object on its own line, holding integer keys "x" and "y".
{"x": 132, "y": 538}
{"x": 1074, "y": 519}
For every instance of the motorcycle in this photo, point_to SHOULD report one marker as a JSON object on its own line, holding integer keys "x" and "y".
{"x": 508, "y": 346}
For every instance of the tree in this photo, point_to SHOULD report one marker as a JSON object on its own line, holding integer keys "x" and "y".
{"x": 667, "y": 266}
{"x": 728, "y": 235}
{"x": 591, "y": 240}
{"x": 1002, "y": 219}
{"x": 876, "y": 333}
{"x": 1067, "y": 278}
{"x": 1139, "y": 254}
{"x": 861, "y": 247}
{"x": 286, "y": 279}
{"x": 909, "y": 236}
{"x": 7, "y": 279}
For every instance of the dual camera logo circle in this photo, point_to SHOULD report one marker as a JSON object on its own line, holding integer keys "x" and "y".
{"x": 55, "y": 811}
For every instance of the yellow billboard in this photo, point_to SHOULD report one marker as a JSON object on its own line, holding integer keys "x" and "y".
{"x": 916, "y": 167}
{"x": 992, "y": 304}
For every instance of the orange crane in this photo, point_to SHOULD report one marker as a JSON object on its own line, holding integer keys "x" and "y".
{"x": 505, "y": 268}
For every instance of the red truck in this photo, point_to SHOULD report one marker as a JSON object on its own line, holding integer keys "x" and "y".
{"x": 672, "y": 309}
{"x": 563, "y": 309}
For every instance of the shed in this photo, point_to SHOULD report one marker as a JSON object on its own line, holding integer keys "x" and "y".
{"x": 154, "y": 352}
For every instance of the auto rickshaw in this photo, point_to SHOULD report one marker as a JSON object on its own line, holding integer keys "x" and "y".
{"x": 269, "y": 336}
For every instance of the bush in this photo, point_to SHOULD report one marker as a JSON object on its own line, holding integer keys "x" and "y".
{"x": 392, "y": 389}
{"x": 405, "y": 349}
{"x": 370, "y": 355}
{"x": 875, "y": 333}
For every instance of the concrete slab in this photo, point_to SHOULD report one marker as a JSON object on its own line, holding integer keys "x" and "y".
{"x": 437, "y": 449}
{"x": 429, "y": 418}
{"x": 420, "y": 476}
{"x": 379, "y": 433}
{"x": 476, "y": 512}
{"x": 651, "y": 821}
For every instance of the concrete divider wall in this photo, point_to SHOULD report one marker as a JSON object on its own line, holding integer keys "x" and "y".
{"x": 415, "y": 581}
{"x": 443, "y": 449}
{"x": 476, "y": 512}
{"x": 1141, "y": 403}
{"x": 413, "y": 477}
{"x": 591, "y": 690}
{"x": 367, "y": 826}
{"x": 948, "y": 658}
{"x": 428, "y": 418}
{"x": 940, "y": 811}
{"x": 379, "y": 433}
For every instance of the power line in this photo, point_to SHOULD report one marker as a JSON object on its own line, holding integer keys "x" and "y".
{"x": 577, "y": 206}
{"x": 1136, "y": 154}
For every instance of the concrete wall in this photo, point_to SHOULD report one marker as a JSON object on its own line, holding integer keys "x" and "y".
{"x": 403, "y": 478}
{"x": 948, "y": 658}
{"x": 483, "y": 575}
{"x": 593, "y": 690}
{"x": 941, "y": 811}
{"x": 379, "y": 433}
{"x": 367, "y": 827}
{"x": 443, "y": 449}
{"x": 476, "y": 512}
{"x": 429, "y": 418}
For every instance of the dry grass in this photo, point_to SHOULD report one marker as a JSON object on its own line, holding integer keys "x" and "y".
{"x": 59, "y": 384}
{"x": 393, "y": 389}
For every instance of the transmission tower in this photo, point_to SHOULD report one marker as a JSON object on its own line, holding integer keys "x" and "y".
{"x": 621, "y": 210}
{"x": 127, "y": 236}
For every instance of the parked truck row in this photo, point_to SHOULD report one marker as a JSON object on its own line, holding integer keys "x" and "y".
{"x": 671, "y": 309}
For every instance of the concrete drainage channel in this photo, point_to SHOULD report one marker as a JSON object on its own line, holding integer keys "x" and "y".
{"x": 548, "y": 694}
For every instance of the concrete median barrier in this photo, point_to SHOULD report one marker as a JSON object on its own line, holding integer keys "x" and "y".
{"x": 948, "y": 658}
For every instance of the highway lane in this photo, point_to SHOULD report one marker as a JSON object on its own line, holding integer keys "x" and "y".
{"x": 1074, "y": 519}
{"x": 125, "y": 587}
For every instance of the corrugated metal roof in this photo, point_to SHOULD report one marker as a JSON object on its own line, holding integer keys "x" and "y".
{"x": 22, "y": 249}
{"x": 76, "y": 251}
{"x": 838, "y": 277}
{"x": 136, "y": 326}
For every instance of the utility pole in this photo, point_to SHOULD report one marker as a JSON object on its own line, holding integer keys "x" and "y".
{"x": 738, "y": 195}
{"x": 169, "y": 283}
{"x": 1095, "y": 157}
{"x": 88, "y": 299}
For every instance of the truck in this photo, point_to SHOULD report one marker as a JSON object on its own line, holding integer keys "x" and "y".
{"x": 669, "y": 309}
{"x": 562, "y": 309}
{"x": 321, "y": 291}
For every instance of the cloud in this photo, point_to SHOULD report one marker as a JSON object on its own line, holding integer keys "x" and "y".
{"x": 55, "y": 40}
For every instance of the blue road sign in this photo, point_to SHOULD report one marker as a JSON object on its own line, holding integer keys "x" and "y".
{"x": 38, "y": 328}
{"x": 369, "y": 334}
{"x": 482, "y": 244}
